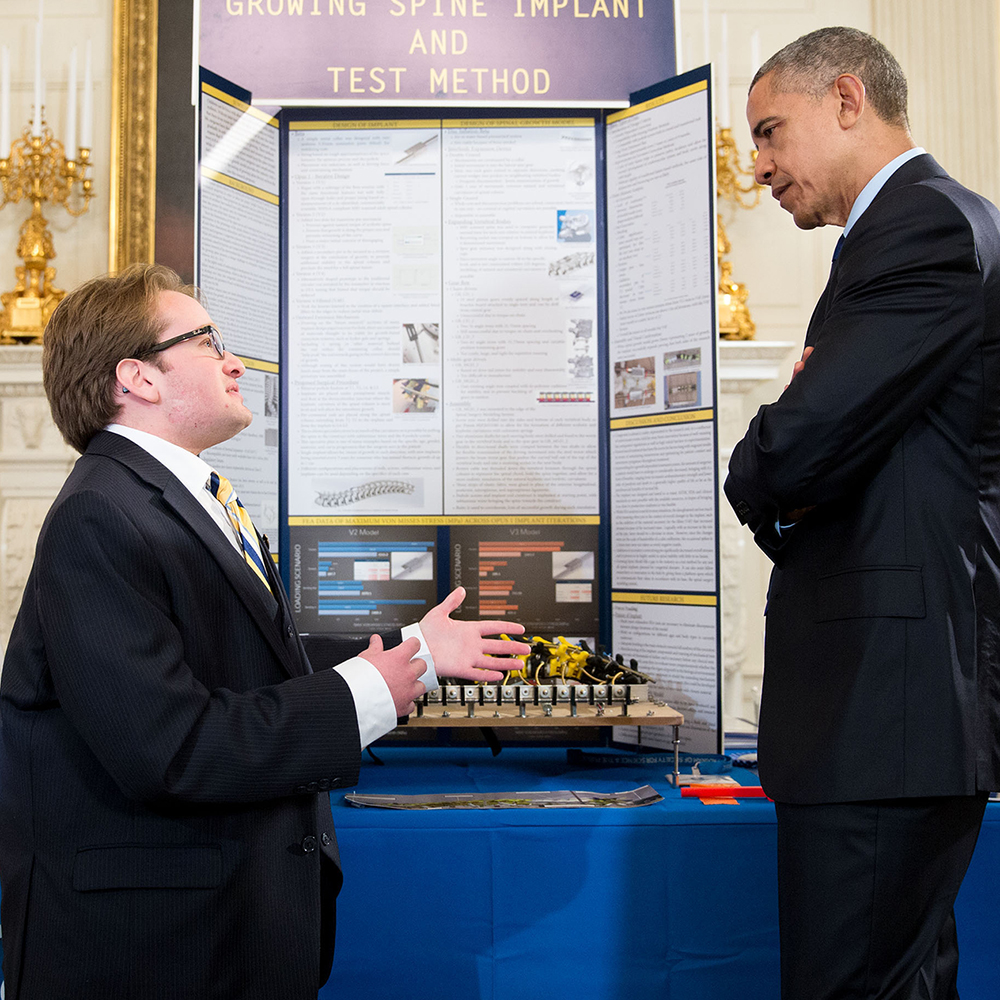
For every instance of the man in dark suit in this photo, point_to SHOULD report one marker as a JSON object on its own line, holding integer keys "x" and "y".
{"x": 167, "y": 748}
{"x": 873, "y": 483}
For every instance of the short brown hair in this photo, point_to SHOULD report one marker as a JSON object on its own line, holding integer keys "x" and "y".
{"x": 811, "y": 63}
{"x": 94, "y": 327}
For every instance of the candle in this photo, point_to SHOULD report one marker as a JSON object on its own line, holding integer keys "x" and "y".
{"x": 724, "y": 75}
{"x": 678, "y": 59}
{"x": 71, "y": 108}
{"x": 4, "y": 102}
{"x": 754, "y": 53}
{"x": 704, "y": 30}
{"x": 87, "y": 128}
{"x": 36, "y": 125}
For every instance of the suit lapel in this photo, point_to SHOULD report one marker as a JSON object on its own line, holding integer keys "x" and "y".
{"x": 262, "y": 607}
{"x": 920, "y": 168}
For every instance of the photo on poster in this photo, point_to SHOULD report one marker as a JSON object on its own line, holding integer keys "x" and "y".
{"x": 421, "y": 343}
{"x": 412, "y": 566}
{"x": 575, "y": 225}
{"x": 582, "y": 350}
{"x": 682, "y": 379}
{"x": 570, "y": 565}
{"x": 415, "y": 395}
{"x": 635, "y": 383}
{"x": 682, "y": 389}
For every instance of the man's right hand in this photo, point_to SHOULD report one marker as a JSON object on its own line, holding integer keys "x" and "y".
{"x": 399, "y": 670}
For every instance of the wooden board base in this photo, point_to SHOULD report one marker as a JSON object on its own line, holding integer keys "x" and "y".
{"x": 643, "y": 713}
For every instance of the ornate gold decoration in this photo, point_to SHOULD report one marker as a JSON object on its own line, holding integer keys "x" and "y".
{"x": 133, "y": 140}
{"x": 734, "y": 316}
{"x": 38, "y": 168}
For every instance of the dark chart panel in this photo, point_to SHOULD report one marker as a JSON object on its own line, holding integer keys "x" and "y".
{"x": 543, "y": 576}
{"x": 361, "y": 579}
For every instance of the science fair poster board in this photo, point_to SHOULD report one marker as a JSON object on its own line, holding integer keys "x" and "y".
{"x": 498, "y": 369}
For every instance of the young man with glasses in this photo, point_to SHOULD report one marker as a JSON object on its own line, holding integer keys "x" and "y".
{"x": 167, "y": 747}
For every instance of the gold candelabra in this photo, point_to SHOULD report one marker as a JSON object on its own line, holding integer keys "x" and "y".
{"x": 37, "y": 169}
{"x": 734, "y": 183}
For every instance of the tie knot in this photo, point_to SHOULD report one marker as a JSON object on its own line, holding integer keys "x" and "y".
{"x": 220, "y": 487}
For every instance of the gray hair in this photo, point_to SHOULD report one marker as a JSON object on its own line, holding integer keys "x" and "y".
{"x": 811, "y": 63}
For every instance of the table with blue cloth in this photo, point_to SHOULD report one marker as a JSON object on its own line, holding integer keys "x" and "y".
{"x": 675, "y": 900}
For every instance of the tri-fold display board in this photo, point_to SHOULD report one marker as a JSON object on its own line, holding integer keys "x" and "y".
{"x": 480, "y": 350}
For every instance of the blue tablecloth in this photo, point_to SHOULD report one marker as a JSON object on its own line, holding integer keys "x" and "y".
{"x": 676, "y": 900}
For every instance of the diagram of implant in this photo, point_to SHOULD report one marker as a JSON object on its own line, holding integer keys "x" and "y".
{"x": 366, "y": 491}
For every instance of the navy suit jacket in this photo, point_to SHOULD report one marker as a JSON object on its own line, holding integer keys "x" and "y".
{"x": 167, "y": 752}
{"x": 882, "y": 653}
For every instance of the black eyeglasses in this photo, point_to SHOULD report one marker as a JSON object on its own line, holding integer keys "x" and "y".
{"x": 210, "y": 331}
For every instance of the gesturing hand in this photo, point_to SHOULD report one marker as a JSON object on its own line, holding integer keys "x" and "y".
{"x": 461, "y": 649}
{"x": 400, "y": 671}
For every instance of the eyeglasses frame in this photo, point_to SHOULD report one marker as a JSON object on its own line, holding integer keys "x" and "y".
{"x": 210, "y": 329}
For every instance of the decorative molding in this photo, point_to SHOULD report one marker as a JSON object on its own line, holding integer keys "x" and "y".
{"x": 34, "y": 463}
{"x": 133, "y": 146}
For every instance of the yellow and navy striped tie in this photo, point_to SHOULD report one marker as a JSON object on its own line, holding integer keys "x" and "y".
{"x": 222, "y": 490}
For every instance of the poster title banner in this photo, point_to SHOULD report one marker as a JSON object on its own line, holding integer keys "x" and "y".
{"x": 583, "y": 53}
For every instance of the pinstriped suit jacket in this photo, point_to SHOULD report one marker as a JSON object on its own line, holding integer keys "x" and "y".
{"x": 166, "y": 753}
{"x": 882, "y": 655}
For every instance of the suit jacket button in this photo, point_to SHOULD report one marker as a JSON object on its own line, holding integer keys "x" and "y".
{"x": 290, "y": 631}
{"x": 308, "y": 844}
{"x": 326, "y": 839}
{"x": 312, "y": 786}
{"x": 335, "y": 782}
{"x": 324, "y": 784}
{"x": 299, "y": 789}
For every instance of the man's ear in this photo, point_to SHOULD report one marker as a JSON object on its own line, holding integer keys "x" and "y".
{"x": 133, "y": 377}
{"x": 851, "y": 97}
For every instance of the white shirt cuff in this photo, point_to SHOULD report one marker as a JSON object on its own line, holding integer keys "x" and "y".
{"x": 372, "y": 701}
{"x": 429, "y": 676}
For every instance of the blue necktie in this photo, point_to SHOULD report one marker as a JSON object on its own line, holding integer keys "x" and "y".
{"x": 837, "y": 248}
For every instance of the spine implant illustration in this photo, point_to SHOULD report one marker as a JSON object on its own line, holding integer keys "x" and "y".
{"x": 376, "y": 488}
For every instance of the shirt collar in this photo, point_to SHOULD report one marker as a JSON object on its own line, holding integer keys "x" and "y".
{"x": 876, "y": 184}
{"x": 191, "y": 470}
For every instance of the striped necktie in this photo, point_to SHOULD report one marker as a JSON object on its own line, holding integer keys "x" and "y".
{"x": 222, "y": 490}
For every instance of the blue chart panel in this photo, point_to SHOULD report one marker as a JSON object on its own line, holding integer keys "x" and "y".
{"x": 357, "y": 579}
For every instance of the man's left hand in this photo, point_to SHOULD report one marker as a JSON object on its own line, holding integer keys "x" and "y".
{"x": 461, "y": 649}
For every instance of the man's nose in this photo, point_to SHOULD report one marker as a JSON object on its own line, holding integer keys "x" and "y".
{"x": 763, "y": 170}
{"x": 233, "y": 365}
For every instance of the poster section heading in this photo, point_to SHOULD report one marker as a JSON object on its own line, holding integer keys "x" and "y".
{"x": 361, "y": 578}
{"x": 238, "y": 274}
{"x": 482, "y": 52}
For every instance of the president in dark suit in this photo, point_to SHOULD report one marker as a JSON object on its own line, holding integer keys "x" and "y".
{"x": 167, "y": 748}
{"x": 873, "y": 483}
